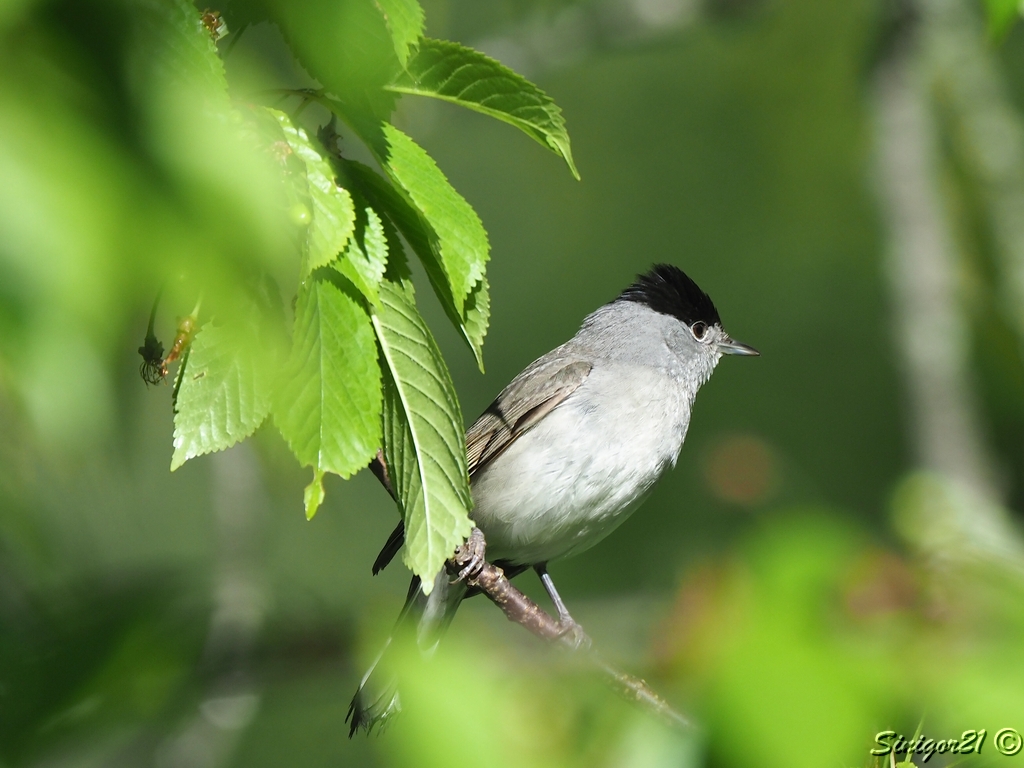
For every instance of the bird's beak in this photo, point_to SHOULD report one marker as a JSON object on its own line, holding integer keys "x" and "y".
{"x": 728, "y": 346}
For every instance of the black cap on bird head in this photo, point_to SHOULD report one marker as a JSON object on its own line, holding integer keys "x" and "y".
{"x": 667, "y": 289}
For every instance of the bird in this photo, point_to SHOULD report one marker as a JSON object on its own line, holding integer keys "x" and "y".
{"x": 570, "y": 448}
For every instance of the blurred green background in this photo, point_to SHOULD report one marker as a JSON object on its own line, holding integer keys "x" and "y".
{"x": 795, "y": 586}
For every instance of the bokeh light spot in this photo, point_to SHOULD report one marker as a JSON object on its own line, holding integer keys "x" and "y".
{"x": 742, "y": 469}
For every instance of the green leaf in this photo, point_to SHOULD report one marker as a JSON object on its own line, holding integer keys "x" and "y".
{"x": 331, "y": 212}
{"x": 461, "y": 237}
{"x": 366, "y": 257}
{"x": 405, "y": 23}
{"x": 171, "y": 39}
{"x": 1002, "y": 14}
{"x": 449, "y": 71}
{"x": 346, "y": 45}
{"x": 224, "y": 389}
{"x": 329, "y": 402}
{"x": 472, "y": 319}
{"x": 424, "y": 441}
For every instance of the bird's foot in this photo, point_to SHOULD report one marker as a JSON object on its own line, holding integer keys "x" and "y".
{"x": 572, "y": 634}
{"x": 469, "y": 557}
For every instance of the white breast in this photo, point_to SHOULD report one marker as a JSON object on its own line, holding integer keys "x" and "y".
{"x": 569, "y": 481}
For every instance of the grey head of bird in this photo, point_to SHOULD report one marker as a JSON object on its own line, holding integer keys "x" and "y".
{"x": 664, "y": 321}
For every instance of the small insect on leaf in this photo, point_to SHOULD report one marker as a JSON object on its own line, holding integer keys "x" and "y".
{"x": 281, "y": 152}
{"x": 215, "y": 25}
{"x": 186, "y": 330}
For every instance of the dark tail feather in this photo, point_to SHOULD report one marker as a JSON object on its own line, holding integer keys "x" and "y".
{"x": 364, "y": 713}
{"x": 376, "y": 699}
{"x": 391, "y": 548}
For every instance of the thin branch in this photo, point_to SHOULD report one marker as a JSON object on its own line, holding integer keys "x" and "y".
{"x": 636, "y": 689}
{"x": 519, "y": 608}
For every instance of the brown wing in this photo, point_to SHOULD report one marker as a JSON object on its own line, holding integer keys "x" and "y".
{"x": 530, "y": 397}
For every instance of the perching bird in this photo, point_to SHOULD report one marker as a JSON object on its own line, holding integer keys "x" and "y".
{"x": 573, "y": 445}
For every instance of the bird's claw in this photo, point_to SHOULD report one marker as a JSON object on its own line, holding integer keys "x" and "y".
{"x": 469, "y": 557}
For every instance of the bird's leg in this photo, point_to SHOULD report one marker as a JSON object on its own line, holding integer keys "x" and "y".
{"x": 570, "y": 628}
{"x": 469, "y": 557}
{"x": 564, "y": 616}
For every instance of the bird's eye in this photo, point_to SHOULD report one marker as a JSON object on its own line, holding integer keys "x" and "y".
{"x": 698, "y": 330}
